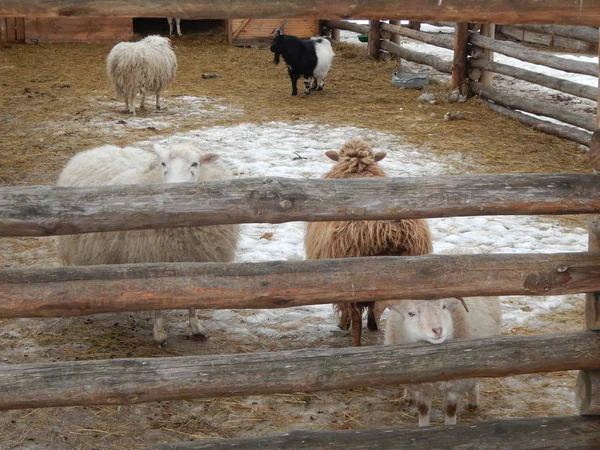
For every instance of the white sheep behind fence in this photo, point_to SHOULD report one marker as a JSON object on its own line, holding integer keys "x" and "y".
{"x": 143, "y": 67}
{"x": 436, "y": 322}
{"x": 111, "y": 165}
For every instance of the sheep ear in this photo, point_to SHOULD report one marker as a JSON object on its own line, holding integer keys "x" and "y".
{"x": 332, "y": 155}
{"x": 159, "y": 151}
{"x": 209, "y": 158}
{"x": 395, "y": 306}
{"x": 379, "y": 156}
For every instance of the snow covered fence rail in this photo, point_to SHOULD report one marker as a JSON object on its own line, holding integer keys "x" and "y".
{"x": 139, "y": 380}
{"x": 78, "y": 291}
{"x": 577, "y": 38}
{"x": 45, "y": 210}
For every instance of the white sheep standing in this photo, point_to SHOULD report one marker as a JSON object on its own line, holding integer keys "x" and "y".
{"x": 143, "y": 67}
{"x": 177, "y": 24}
{"x": 111, "y": 165}
{"x": 436, "y": 322}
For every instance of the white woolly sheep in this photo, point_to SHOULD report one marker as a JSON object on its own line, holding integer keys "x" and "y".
{"x": 408, "y": 237}
{"x": 143, "y": 67}
{"x": 436, "y": 322}
{"x": 110, "y": 165}
{"x": 177, "y": 24}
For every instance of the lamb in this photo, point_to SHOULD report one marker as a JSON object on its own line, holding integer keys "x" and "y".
{"x": 310, "y": 58}
{"x": 177, "y": 24}
{"x": 408, "y": 237}
{"x": 143, "y": 67}
{"x": 180, "y": 162}
{"x": 436, "y": 322}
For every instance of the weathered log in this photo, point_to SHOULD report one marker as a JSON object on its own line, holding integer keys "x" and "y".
{"x": 488, "y": 30}
{"x": 559, "y": 84}
{"x": 498, "y": 11}
{"x": 439, "y": 40}
{"x": 587, "y": 392}
{"x": 77, "y": 291}
{"x": 374, "y": 43}
{"x": 345, "y": 25}
{"x": 418, "y": 57}
{"x": 565, "y": 132}
{"x": 545, "y": 433}
{"x": 533, "y": 106}
{"x": 44, "y": 210}
{"x": 127, "y": 381}
{"x": 545, "y": 39}
{"x": 395, "y": 38}
{"x": 459, "y": 61}
{"x": 587, "y": 34}
{"x": 524, "y": 54}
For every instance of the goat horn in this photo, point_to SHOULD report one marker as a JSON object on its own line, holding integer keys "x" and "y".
{"x": 462, "y": 300}
{"x": 283, "y": 25}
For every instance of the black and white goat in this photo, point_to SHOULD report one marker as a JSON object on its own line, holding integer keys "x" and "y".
{"x": 309, "y": 58}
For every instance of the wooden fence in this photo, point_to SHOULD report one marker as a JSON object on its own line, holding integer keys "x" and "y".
{"x": 71, "y": 291}
{"x": 473, "y": 65}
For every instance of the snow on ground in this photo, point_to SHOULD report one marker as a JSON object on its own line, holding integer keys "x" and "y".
{"x": 273, "y": 149}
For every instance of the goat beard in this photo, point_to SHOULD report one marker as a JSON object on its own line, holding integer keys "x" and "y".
{"x": 276, "y": 59}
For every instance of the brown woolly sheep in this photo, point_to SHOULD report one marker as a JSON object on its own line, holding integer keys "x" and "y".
{"x": 409, "y": 237}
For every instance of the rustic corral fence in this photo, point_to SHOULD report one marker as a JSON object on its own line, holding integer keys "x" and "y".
{"x": 473, "y": 65}
{"x": 76, "y": 291}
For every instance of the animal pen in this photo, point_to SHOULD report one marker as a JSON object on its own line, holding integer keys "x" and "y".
{"x": 79, "y": 291}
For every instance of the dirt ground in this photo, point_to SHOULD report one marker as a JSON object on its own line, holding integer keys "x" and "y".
{"x": 55, "y": 100}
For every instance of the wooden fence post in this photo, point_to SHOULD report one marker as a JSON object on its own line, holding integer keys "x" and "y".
{"x": 374, "y": 46}
{"x": 459, "y": 63}
{"x": 395, "y": 37}
{"x": 487, "y": 77}
{"x": 587, "y": 391}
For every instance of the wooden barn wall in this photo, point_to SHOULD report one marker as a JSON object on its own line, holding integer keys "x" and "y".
{"x": 258, "y": 31}
{"x": 12, "y": 29}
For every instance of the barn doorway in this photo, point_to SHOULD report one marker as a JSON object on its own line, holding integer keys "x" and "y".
{"x": 147, "y": 26}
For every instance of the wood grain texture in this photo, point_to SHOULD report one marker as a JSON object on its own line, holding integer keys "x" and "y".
{"x": 128, "y": 381}
{"x": 439, "y": 40}
{"x": 77, "y": 291}
{"x": 374, "y": 43}
{"x": 497, "y": 11}
{"x": 459, "y": 61}
{"x": 533, "y": 56}
{"x": 562, "y": 85}
{"x": 534, "y": 106}
{"x": 587, "y": 34}
{"x": 587, "y": 392}
{"x": 45, "y": 210}
{"x": 545, "y": 433}
{"x": 418, "y": 57}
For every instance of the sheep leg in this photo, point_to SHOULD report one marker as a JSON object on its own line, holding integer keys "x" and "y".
{"x": 158, "y": 333}
{"x": 170, "y": 20}
{"x": 356, "y": 325}
{"x": 158, "y": 100}
{"x": 197, "y": 329}
{"x": 473, "y": 398}
{"x": 131, "y": 104}
{"x": 142, "y": 103}
{"x": 424, "y": 399}
{"x": 307, "y": 85}
{"x": 451, "y": 407}
{"x": 178, "y": 24}
{"x": 371, "y": 320}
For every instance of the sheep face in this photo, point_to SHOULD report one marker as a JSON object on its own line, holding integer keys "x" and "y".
{"x": 426, "y": 320}
{"x": 182, "y": 165}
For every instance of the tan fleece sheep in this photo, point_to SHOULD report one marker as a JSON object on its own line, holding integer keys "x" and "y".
{"x": 409, "y": 237}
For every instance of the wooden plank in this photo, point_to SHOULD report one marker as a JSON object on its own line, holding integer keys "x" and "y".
{"x": 524, "y": 54}
{"x": 459, "y": 62}
{"x": 418, "y": 57}
{"x": 560, "y": 84}
{"x": 374, "y": 44}
{"x": 239, "y": 28}
{"x": 533, "y": 106}
{"x": 44, "y": 210}
{"x": 498, "y": 11}
{"x": 20, "y": 30}
{"x": 572, "y": 134}
{"x": 488, "y": 30}
{"x": 139, "y": 380}
{"x": 78, "y": 291}
{"x": 544, "y": 433}
{"x": 3, "y": 30}
{"x": 11, "y": 29}
{"x": 81, "y": 29}
{"x": 439, "y": 40}
{"x": 587, "y": 34}
{"x": 345, "y": 25}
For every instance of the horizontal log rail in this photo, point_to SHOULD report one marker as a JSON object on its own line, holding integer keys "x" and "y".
{"x": 531, "y": 105}
{"x": 437, "y": 39}
{"x": 77, "y": 291}
{"x": 533, "y": 56}
{"x": 45, "y": 210}
{"x": 345, "y": 25}
{"x": 565, "y": 433}
{"x": 498, "y": 11}
{"x": 563, "y": 131}
{"x": 586, "y": 34}
{"x": 418, "y": 57}
{"x": 128, "y": 381}
{"x": 559, "y": 84}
